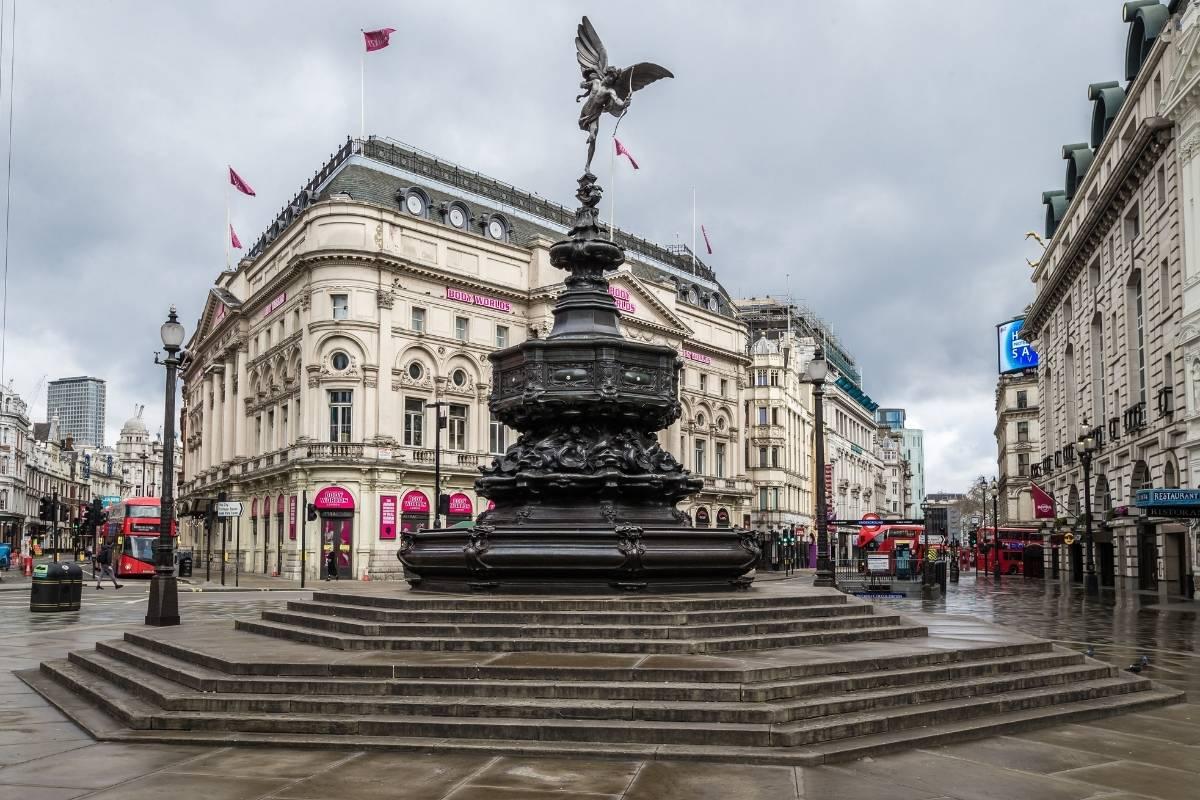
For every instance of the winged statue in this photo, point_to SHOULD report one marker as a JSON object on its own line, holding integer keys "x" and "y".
{"x": 606, "y": 88}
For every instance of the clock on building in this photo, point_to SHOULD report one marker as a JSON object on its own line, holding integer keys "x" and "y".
{"x": 414, "y": 204}
{"x": 457, "y": 218}
{"x": 496, "y": 229}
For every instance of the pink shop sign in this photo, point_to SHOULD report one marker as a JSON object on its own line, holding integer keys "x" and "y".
{"x": 387, "y": 516}
{"x": 478, "y": 300}
{"x": 621, "y": 298}
{"x": 699, "y": 358}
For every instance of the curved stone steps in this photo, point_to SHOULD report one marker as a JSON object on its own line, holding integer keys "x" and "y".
{"x": 519, "y": 643}
{"x": 470, "y": 629}
{"x": 562, "y": 618}
{"x": 633, "y": 603}
{"x": 173, "y": 697}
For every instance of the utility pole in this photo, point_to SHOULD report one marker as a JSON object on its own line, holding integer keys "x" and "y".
{"x": 437, "y": 460}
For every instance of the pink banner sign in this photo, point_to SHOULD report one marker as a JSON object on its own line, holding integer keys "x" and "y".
{"x": 415, "y": 503}
{"x": 621, "y": 298}
{"x": 292, "y": 517}
{"x": 254, "y": 507}
{"x": 279, "y": 505}
{"x": 699, "y": 358}
{"x": 334, "y": 498}
{"x": 220, "y": 315}
{"x": 461, "y": 504}
{"x": 478, "y": 300}
{"x": 387, "y": 516}
{"x": 275, "y": 304}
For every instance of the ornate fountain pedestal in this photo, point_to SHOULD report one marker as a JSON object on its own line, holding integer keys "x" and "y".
{"x": 585, "y": 499}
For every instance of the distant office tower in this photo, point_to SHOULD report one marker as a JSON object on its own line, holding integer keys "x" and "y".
{"x": 79, "y": 405}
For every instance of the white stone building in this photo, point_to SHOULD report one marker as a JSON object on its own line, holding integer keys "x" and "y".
{"x": 15, "y": 436}
{"x": 1106, "y": 321}
{"x": 1018, "y": 444}
{"x": 381, "y": 289}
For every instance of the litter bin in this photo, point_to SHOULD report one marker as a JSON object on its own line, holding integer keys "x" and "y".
{"x": 185, "y": 564}
{"x": 45, "y": 589}
{"x": 70, "y": 595}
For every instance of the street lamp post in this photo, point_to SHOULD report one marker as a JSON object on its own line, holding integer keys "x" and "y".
{"x": 926, "y": 575}
{"x": 144, "y": 457}
{"x": 1087, "y": 446}
{"x": 164, "y": 592}
{"x": 439, "y": 423}
{"x": 817, "y": 371}
{"x": 995, "y": 490}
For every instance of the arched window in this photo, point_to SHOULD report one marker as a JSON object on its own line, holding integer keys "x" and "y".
{"x": 1073, "y": 501}
{"x": 1170, "y": 477}
{"x": 1103, "y": 500}
{"x": 1141, "y": 477}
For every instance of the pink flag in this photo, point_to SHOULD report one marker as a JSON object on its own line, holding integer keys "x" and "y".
{"x": 621, "y": 151}
{"x": 377, "y": 40}
{"x": 237, "y": 243}
{"x": 707, "y": 244}
{"x": 1043, "y": 502}
{"x": 239, "y": 184}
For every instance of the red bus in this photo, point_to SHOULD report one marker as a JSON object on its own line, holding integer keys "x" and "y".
{"x": 890, "y": 538}
{"x": 131, "y": 529}
{"x": 1013, "y": 542}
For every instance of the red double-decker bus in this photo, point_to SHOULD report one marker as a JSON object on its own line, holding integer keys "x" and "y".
{"x": 888, "y": 538}
{"x": 1011, "y": 549}
{"x": 131, "y": 529}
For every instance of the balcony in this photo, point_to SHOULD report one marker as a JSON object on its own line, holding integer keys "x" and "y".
{"x": 725, "y": 485}
{"x": 1166, "y": 401}
{"x": 1114, "y": 429}
{"x": 1135, "y": 417}
{"x": 330, "y": 451}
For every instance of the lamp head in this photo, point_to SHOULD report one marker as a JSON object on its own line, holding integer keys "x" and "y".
{"x": 172, "y": 332}
{"x": 818, "y": 368}
{"x": 1087, "y": 442}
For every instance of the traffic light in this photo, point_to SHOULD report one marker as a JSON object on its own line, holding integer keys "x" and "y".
{"x": 444, "y": 504}
{"x": 312, "y": 512}
{"x": 64, "y": 512}
{"x": 45, "y": 511}
{"x": 972, "y": 538}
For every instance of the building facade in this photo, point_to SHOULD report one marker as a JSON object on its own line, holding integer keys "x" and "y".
{"x": 1106, "y": 323}
{"x": 15, "y": 436}
{"x": 1018, "y": 444}
{"x": 53, "y": 467}
{"x": 912, "y": 453}
{"x": 79, "y": 405}
{"x": 367, "y": 310}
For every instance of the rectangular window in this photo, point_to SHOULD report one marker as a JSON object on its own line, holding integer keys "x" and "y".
{"x": 1162, "y": 184}
{"x": 724, "y": 387}
{"x": 1139, "y": 340}
{"x": 762, "y": 498}
{"x": 418, "y": 319}
{"x": 1022, "y": 464}
{"x": 497, "y": 437}
{"x": 762, "y": 456}
{"x": 703, "y": 382}
{"x": 456, "y": 427}
{"x": 1022, "y": 399}
{"x": 775, "y": 457}
{"x": 774, "y": 378}
{"x": 341, "y": 306}
{"x": 720, "y": 454}
{"x": 762, "y": 415}
{"x": 774, "y": 416}
{"x": 501, "y": 336}
{"x": 340, "y": 406}
{"x": 461, "y": 328}
{"x": 1133, "y": 224}
{"x": 414, "y": 421}
{"x": 1022, "y": 431}
{"x": 699, "y": 463}
{"x": 1164, "y": 288}
{"x": 760, "y": 377}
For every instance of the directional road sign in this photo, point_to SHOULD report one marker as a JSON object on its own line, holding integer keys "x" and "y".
{"x": 229, "y": 508}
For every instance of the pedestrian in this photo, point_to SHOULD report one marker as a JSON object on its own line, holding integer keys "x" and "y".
{"x": 331, "y": 566}
{"x": 104, "y": 562}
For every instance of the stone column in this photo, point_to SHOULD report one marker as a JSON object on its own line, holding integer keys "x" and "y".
{"x": 239, "y": 402}
{"x": 206, "y": 439}
{"x": 228, "y": 404}
{"x": 386, "y": 411}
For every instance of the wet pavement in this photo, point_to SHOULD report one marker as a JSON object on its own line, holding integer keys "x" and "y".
{"x": 1155, "y": 754}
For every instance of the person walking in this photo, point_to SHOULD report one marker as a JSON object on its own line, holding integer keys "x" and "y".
{"x": 331, "y": 566}
{"x": 104, "y": 566}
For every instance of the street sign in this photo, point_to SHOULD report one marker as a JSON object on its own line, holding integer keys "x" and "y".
{"x": 229, "y": 508}
{"x": 871, "y": 521}
{"x": 1068, "y": 538}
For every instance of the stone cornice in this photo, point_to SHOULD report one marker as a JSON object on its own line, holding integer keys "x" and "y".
{"x": 1145, "y": 148}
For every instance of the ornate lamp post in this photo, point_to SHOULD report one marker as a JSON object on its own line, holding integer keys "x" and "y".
{"x": 994, "y": 489}
{"x": 926, "y": 575}
{"x": 1086, "y": 447}
{"x": 816, "y": 372}
{"x": 164, "y": 593}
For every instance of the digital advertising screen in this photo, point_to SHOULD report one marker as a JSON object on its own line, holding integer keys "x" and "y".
{"x": 1015, "y": 354}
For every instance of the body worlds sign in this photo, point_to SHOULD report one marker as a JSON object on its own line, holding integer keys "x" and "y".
{"x": 478, "y": 300}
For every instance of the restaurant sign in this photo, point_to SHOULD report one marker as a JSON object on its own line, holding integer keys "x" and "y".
{"x": 1169, "y": 502}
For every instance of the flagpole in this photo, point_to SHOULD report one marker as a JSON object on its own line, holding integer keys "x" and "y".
{"x": 612, "y": 187}
{"x": 228, "y": 224}
{"x": 362, "y": 95}
{"x": 693, "y": 228}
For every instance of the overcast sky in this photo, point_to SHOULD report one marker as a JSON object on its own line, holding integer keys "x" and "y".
{"x": 888, "y": 155}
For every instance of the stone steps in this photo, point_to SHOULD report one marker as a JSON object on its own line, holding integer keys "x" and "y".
{"x": 670, "y": 604}
{"x": 552, "y": 727}
{"x": 565, "y": 618}
{"x": 535, "y": 684}
{"x": 470, "y": 629}
{"x": 172, "y": 697}
{"x": 518, "y": 642}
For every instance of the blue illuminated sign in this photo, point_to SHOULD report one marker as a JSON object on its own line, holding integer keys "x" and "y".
{"x": 1159, "y": 498}
{"x": 1015, "y": 354}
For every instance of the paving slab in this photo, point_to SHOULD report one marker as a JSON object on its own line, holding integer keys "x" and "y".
{"x": 1163, "y": 783}
{"x": 41, "y": 792}
{"x": 209, "y": 787}
{"x": 388, "y": 776}
{"x": 1176, "y": 731}
{"x": 671, "y": 780}
{"x": 1117, "y": 745}
{"x": 1018, "y": 754}
{"x": 559, "y": 775}
{"x": 263, "y": 762}
{"x": 19, "y": 753}
{"x": 942, "y": 775}
{"x": 96, "y": 767}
